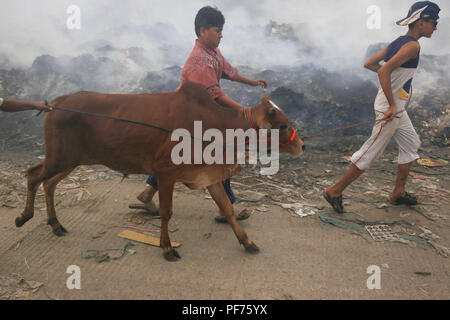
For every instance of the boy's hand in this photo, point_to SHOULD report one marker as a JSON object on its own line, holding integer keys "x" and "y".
{"x": 260, "y": 82}
{"x": 390, "y": 114}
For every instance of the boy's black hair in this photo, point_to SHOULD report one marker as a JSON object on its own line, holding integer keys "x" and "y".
{"x": 208, "y": 17}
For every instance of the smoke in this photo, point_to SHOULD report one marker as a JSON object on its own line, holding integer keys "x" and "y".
{"x": 328, "y": 33}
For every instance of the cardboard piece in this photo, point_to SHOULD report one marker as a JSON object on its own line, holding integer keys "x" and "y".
{"x": 139, "y": 237}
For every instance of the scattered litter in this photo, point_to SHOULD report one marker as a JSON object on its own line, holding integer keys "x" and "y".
{"x": 381, "y": 232}
{"x": 138, "y": 229}
{"x": 422, "y": 273}
{"x": 412, "y": 239}
{"x": 342, "y": 224}
{"x": 102, "y": 255}
{"x": 16, "y": 287}
{"x": 304, "y": 212}
{"x": 430, "y": 163}
{"x": 299, "y": 209}
{"x": 427, "y": 214}
{"x": 139, "y": 237}
{"x": 262, "y": 208}
{"x": 251, "y": 196}
{"x": 428, "y": 235}
{"x": 404, "y": 214}
{"x": 207, "y": 235}
{"x": 440, "y": 249}
{"x": 385, "y": 265}
{"x": 383, "y": 206}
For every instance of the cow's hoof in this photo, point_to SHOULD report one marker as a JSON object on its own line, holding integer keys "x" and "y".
{"x": 19, "y": 222}
{"x": 252, "y": 249}
{"x": 60, "y": 231}
{"x": 172, "y": 255}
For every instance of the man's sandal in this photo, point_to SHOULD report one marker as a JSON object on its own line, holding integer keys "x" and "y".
{"x": 336, "y": 203}
{"x": 149, "y": 207}
{"x": 241, "y": 216}
{"x": 408, "y": 199}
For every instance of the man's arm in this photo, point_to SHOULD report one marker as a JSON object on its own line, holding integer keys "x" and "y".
{"x": 373, "y": 63}
{"x": 257, "y": 82}
{"x": 407, "y": 52}
{"x": 16, "y": 105}
{"x": 227, "y": 102}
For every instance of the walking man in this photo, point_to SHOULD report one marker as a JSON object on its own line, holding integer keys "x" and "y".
{"x": 401, "y": 58}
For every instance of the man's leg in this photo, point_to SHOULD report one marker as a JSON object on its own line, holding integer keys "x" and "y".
{"x": 372, "y": 149}
{"x": 408, "y": 145}
{"x": 402, "y": 176}
{"x": 147, "y": 195}
{"x": 352, "y": 174}
{"x": 244, "y": 214}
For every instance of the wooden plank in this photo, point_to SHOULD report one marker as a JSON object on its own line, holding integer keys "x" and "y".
{"x": 140, "y": 237}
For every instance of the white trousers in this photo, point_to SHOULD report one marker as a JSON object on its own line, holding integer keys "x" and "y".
{"x": 400, "y": 128}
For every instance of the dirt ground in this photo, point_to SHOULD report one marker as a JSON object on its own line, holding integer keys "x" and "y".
{"x": 303, "y": 255}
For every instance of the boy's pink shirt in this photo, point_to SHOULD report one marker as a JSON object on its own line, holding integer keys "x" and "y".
{"x": 207, "y": 66}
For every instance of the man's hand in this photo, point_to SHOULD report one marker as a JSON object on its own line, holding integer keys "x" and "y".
{"x": 260, "y": 82}
{"x": 42, "y": 107}
{"x": 391, "y": 113}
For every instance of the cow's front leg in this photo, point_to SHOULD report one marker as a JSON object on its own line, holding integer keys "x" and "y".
{"x": 226, "y": 209}
{"x": 165, "y": 211}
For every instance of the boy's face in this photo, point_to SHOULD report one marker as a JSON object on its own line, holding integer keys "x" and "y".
{"x": 427, "y": 27}
{"x": 210, "y": 37}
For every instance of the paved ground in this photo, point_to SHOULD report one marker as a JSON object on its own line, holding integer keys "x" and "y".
{"x": 300, "y": 258}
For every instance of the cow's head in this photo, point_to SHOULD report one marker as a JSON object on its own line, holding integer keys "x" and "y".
{"x": 269, "y": 116}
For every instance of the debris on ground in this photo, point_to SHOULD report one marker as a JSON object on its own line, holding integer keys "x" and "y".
{"x": 297, "y": 188}
{"x": 102, "y": 255}
{"x": 430, "y": 163}
{"x": 16, "y": 287}
{"x": 140, "y": 237}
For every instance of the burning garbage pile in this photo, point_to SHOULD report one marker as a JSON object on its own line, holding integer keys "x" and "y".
{"x": 315, "y": 99}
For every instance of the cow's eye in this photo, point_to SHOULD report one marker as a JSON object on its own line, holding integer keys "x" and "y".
{"x": 283, "y": 127}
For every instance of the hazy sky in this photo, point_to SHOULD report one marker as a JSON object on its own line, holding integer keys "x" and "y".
{"x": 31, "y": 28}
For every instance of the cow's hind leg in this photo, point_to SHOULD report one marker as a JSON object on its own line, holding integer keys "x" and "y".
{"x": 165, "y": 211}
{"x": 49, "y": 189}
{"x": 226, "y": 209}
{"x": 35, "y": 176}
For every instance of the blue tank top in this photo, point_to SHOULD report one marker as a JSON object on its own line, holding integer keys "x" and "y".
{"x": 395, "y": 46}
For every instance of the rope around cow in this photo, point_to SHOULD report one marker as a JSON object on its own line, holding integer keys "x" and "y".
{"x": 247, "y": 114}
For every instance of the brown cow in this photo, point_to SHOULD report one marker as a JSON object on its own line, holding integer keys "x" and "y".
{"x": 74, "y": 139}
